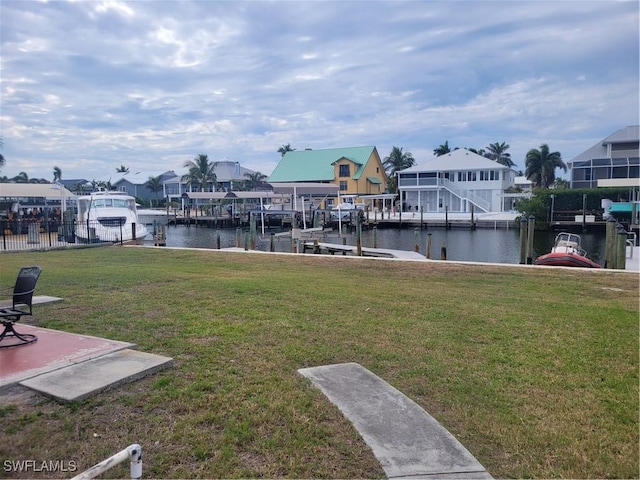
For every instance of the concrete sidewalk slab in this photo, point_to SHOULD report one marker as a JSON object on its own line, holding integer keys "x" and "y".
{"x": 407, "y": 441}
{"x": 36, "y": 300}
{"x": 82, "y": 380}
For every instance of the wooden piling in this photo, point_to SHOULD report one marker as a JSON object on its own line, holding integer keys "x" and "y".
{"x": 530, "y": 229}
{"x": 416, "y": 236}
{"x": 238, "y": 237}
{"x": 428, "y": 245}
{"x": 252, "y": 231}
{"x": 218, "y": 239}
{"x": 443, "y": 252}
{"x": 523, "y": 240}
{"x": 610, "y": 244}
{"x": 375, "y": 237}
{"x": 621, "y": 248}
{"x": 272, "y": 246}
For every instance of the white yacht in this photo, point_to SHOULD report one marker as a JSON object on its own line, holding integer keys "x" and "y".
{"x": 108, "y": 217}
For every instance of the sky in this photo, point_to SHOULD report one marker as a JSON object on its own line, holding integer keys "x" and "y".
{"x": 89, "y": 86}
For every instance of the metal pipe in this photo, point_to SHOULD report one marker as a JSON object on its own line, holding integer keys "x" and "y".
{"x": 132, "y": 452}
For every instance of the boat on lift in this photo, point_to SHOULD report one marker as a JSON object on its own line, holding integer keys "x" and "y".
{"x": 567, "y": 252}
{"x": 108, "y": 216}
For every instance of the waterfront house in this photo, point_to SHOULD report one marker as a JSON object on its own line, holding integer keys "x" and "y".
{"x": 458, "y": 181}
{"x": 358, "y": 171}
{"x": 612, "y": 162}
{"x": 134, "y": 184}
{"x": 228, "y": 175}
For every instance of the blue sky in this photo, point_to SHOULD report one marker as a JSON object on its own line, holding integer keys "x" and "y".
{"x": 88, "y": 86}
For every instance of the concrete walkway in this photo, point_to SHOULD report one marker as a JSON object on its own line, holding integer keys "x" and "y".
{"x": 408, "y": 442}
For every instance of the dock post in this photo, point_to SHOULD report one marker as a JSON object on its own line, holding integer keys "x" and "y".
{"x": 272, "y": 247}
{"x": 428, "y": 245}
{"x": 621, "y": 248}
{"x": 421, "y": 217}
{"x": 246, "y": 240}
{"x": 416, "y": 237}
{"x": 584, "y": 212}
{"x": 359, "y": 235}
{"x": 375, "y": 237}
{"x": 218, "y": 239}
{"x": 443, "y": 252}
{"x": 316, "y": 246}
{"x": 530, "y": 229}
{"x": 252, "y": 231}
{"x": 473, "y": 223}
{"x": 293, "y": 244}
{"x": 523, "y": 240}
{"x": 609, "y": 249}
{"x": 238, "y": 236}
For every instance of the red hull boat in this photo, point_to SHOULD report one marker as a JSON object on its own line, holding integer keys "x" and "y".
{"x": 567, "y": 252}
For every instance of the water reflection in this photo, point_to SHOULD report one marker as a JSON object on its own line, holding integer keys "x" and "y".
{"x": 482, "y": 245}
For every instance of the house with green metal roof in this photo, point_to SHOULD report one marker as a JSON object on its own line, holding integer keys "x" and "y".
{"x": 356, "y": 170}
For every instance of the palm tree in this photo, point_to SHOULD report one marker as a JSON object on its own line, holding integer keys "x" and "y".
{"x": 479, "y": 151}
{"x": 285, "y": 148}
{"x": 254, "y": 180}
{"x": 122, "y": 169}
{"x": 442, "y": 149}
{"x": 79, "y": 188}
{"x": 57, "y": 174}
{"x": 155, "y": 185}
{"x": 498, "y": 152}
{"x": 396, "y": 161}
{"x": 201, "y": 172}
{"x": 541, "y": 166}
{"x": 22, "y": 177}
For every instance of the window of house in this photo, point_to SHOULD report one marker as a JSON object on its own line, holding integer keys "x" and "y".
{"x": 344, "y": 171}
{"x": 343, "y": 185}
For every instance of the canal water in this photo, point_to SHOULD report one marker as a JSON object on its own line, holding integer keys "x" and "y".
{"x": 481, "y": 245}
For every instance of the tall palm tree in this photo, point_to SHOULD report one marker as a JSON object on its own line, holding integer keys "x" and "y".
{"x": 396, "y": 161}
{"x": 57, "y": 174}
{"x": 201, "y": 172}
{"x": 442, "y": 149}
{"x": 285, "y": 148}
{"x": 122, "y": 169}
{"x": 541, "y": 165}
{"x": 254, "y": 180}
{"x": 498, "y": 152}
{"x": 155, "y": 185}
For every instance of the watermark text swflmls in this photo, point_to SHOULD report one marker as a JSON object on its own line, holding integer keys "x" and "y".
{"x": 24, "y": 466}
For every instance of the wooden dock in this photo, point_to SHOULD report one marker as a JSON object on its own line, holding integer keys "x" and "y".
{"x": 333, "y": 248}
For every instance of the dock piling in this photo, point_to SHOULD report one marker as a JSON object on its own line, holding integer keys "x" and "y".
{"x": 530, "y": 230}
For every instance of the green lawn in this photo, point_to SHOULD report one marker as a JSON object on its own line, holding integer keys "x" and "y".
{"x": 534, "y": 370}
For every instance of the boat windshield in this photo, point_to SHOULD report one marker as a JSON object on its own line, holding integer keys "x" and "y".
{"x": 112, "y": 202}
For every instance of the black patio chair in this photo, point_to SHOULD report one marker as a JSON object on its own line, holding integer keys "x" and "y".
{"x": 22, "y": 297}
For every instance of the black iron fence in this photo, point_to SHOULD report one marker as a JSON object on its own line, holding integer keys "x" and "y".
{"x": 30, "y": 234}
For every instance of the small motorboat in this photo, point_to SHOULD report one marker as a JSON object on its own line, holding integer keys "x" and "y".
{"x": 567, "y": 252}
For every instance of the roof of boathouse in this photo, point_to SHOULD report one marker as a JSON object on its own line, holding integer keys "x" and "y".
{"x": 460, "y": 159}
{"x": 317, "y": 165}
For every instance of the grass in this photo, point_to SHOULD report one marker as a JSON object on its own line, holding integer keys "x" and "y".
{"x": 535, "y": 371}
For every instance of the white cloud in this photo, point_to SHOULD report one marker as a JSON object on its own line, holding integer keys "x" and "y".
{"x": 89, "y": 86}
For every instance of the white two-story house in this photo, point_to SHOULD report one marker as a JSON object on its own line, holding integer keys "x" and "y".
{"x": 458, "y": 182}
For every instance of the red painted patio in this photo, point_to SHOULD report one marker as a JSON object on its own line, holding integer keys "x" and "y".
{"x": 53, "y": 350}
